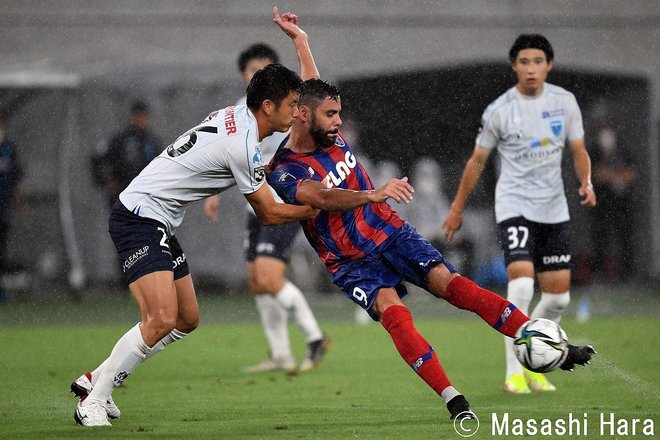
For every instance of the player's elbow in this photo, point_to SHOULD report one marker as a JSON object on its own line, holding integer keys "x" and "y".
{"x": 322, "y": 204}
{"x": 267, "y": 218}
{"x": 315, "y": 199}
{"x": 272, "y": 221}
{"x": 325, "y": 200}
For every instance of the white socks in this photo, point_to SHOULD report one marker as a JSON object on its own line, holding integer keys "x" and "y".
{"x": 96, "y": 373}
{"x": 449, "y": 393}
{"x": 173, "y": 336}
{"x": 520, "y": 292}
{"x": 552, "y": 306}
{"x": 294, "y": 301}
{"x": 128, "y": 353}
{"x": 274, "y": 319}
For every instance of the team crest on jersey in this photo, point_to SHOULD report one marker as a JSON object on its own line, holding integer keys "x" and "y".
{"x": 340, "y": 142}
{"x": 259, "y": 174}
{"x": 257, "y": 156}
{"x": 556, "y": 127}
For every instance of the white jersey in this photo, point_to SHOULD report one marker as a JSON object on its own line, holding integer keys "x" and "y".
{"x": 268, "y": 147}
{"x": 530, "y": 134}
{"x": 219, "y": 153}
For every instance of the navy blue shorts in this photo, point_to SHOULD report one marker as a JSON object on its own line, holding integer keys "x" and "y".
{"x": 544, "y": 244}
{"x": 269, "y": 241}
{"x": 404, "y": 256}
{"x": 143, "y": 245}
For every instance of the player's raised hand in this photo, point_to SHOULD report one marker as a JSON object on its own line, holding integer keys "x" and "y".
{"x": 288, "y": 22}
{"x": 588, "y": 195}
{"x": 397, "y": 189}
{"x": 452, "y": 224}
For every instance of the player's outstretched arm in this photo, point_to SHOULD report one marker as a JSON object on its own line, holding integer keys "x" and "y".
{"x": 270, "y": 212}
{"x": 471, "y": 174}
{"x": 317, "y": 195}
{"x": 288, "y": 22}
{"x": 582, "y": 164}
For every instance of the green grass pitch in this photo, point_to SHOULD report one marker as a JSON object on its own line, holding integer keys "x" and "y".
{"x": 196, "y": 389}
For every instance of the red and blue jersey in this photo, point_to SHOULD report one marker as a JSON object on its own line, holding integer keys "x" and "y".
{"x": 336, "y": 236}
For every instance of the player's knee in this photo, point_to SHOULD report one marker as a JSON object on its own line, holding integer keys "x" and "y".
{"x": 438, "y": 279}
{"x": 162, "y": 325}
{"x": 394, "y": 316}
{"x": 188, "y": 324}
{"x": 259, "y": 287}
{"x": 252, "y": 285}
{"x": 267, "y": 283}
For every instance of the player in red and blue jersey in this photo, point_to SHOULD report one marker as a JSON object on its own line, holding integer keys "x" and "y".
{"x": 338, "y": 236}
{"x": 369, "y": 249}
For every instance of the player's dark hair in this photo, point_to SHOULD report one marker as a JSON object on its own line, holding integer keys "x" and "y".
{"x": 315, "y": 90}
{"x": 273, "y": 82}
{"x": 139, "y": 107}
{"x": 531, "y": 41}
{"x": 256, "y": 51}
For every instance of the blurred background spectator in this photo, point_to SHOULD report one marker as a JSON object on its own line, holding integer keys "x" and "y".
{"x": 427, "y": 210}
{"x": 10, "y": 201}
{"x": 127, "y": 154}
{"x": 614, "y": 181}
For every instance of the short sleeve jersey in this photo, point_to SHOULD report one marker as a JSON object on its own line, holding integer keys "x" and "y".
{"x": 219, "y": 153}
{"x": 336, "y": 236}
{"x": 530, "y": 134}
{"x": 268, "y": 147}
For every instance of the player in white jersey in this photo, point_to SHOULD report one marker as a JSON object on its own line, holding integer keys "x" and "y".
{"x": 529, "y": 125}
{"x": 221, "y": 152}
{"x": 267, "y": 252}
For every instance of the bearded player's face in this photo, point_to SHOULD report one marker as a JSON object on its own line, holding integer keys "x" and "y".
{"x": 325, "y": 122}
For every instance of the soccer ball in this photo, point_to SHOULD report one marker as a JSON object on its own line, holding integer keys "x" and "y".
{"x": 541, "y": 345}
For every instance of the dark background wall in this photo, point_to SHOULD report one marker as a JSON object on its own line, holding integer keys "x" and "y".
{"x": 437, "y": 113}
{"x": 71, "y": 68}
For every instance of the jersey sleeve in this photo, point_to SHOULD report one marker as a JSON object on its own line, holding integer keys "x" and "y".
{"x": 246, "y": 165}
{"x": 284, "y": 179}
{"x": 575, "y": 129}
{"x": 488, "y": 135}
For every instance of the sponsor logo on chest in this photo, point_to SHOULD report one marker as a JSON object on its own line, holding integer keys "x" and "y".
{"x": 342, "y": 170}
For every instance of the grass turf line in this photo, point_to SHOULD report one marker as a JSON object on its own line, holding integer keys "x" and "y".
{"x": 196, "y": 389}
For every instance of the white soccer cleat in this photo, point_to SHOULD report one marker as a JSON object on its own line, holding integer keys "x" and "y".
{"x": 91, "y": 415}
{"x": 289, "y": 366}
{"x": 82, "y": 386}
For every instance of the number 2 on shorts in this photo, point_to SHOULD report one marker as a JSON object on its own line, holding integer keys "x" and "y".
{"x": 163, "y": 241}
